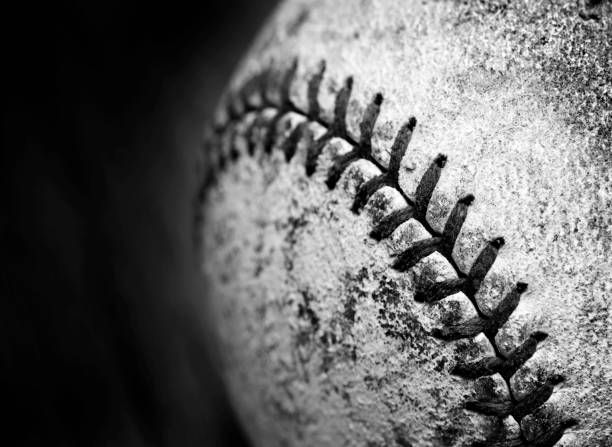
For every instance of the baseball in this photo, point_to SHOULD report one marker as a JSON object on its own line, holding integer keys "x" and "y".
{"x": 406, "y": 210}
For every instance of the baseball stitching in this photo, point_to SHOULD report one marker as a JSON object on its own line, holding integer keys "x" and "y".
{"x": 238, "y": 104}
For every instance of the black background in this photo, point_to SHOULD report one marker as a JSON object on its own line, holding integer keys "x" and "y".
{"x": 103, "y": 109}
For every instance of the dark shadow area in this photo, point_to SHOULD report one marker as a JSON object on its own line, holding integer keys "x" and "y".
{"x": 103, "y": 110}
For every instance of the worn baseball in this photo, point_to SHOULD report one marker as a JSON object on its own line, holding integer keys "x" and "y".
{"x": 406, "y": 225}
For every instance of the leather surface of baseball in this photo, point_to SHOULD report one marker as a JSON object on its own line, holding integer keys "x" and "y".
{"x": 407, "y": 224}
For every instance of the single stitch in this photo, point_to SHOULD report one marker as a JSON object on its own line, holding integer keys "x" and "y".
{"x": 424, "y": 191}
{"x": 417, "y": 251}
{"x": 313, "y": 93}
{"x": 546, "y": 439}
{"x": 440, "y": 290}
{"x": 361, "y": 150}
{"x": 428, "y": 183}
{"x": 285, "y": 106}
{"x": 389, "y": 178}
{"x": 368, "y": 121}
{"x": 521, "y": 408}
{"x": 505, "y": 367}
{"x": 290, "y": 144}
{"x": 336, "y": 129}
{"x": 389, "y": 223}
{"x": 253, "y": 130}
{"x": 487, "y": 325}
{"x": 455, "y": 222}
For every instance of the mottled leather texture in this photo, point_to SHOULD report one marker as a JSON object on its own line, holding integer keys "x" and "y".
{"x": 407, "y": 215}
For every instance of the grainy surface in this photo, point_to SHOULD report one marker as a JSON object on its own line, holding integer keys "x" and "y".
{"x": 323, "y": 341}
